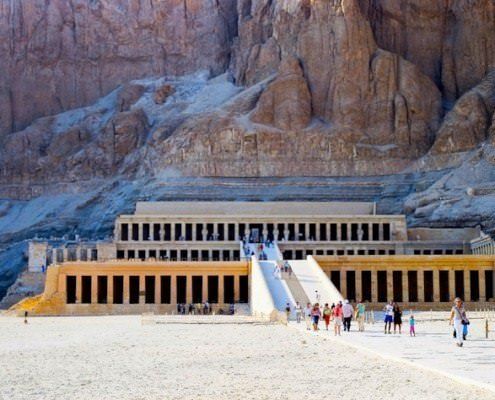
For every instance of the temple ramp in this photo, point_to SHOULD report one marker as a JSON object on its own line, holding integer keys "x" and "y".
{"x": 312, "y": 278}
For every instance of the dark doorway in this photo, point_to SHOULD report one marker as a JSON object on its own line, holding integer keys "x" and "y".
{"x": 178, "y": 232}
{"x": 199, "y": 232}
{"x": 365, "y": 228}
{"x": 323, "y": 232}
{"x": 489, "y": 285}
{"x": 183, "y": 255}
{"x": 165, "y": 289}
{"x": 173, "y": 255}
{"x": 474, "y": 283}
{"x": 397, "y": 280}
{"x": 156, "y": 232}
{"x": 197, "y": 289}
{"x": 221, "y": 232}
{"x": 459, "y": 284}
{"x": 149, "y": 288}
{"x": 228, "y": 289}
{"x": 181, "y": 289}
{"x": 354, "y": 232}
{"x": 288, "y": 255}
{"x": 146, "y": 232}
{"x": 366, "y": 285}
{"x": 134, "y": 290}
{"x": 142, "y": 254}
{"x": 70, "y": 284}
{"x": 382, "y": 286}
{"x": 351, "y": 285}
{"x": 205, "y": 255}
{"x": 333, "y": 232}
{"x": 292, "y": 231}
{"x": 386, "y": 232}
{"x": 124, "y": 232}
{"x": 312, "y": 232}
{"x": 226, "y": 255}
{"x": 376, "y": 232}
{"x": 281, "y": 228}
{"x": 231, "y": 232}
{"x": 188, "y": 233}
{"x": 343, "y": 232}
{"x": 167, "y": 234}
{"x": 299, "y": 255}
{"x": 412, "y": 280}
{"x": 102, "y": 289}
{"x": 444, "y": 286}
{"x": 243, "y": 289}
{"x": 335, "y": 278}
{"x": 135, "y": 232}
{"x": 86, "y": 290}
{"x": 213, "y": 289}
{"x": 118, "y": 290}
{"x": 215, "y": 254}
{"x": 428, "y": 286}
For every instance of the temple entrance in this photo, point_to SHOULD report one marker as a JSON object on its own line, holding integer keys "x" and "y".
{"x": 256, "y": 231}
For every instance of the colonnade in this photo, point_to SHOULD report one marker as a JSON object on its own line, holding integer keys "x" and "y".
{"x": 236, "y": 231}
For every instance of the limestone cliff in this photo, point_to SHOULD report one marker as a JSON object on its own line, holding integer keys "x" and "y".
{"x": 106, "y": 102}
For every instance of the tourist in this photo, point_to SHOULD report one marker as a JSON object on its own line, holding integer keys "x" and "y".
{"x": 299, "y": 311}
{"x": 179, "y": 308}
{"x": 286, "y": 267}
{"x": 315, "y": 316}
{"x": 206, "y": 308}
{"x": 389, "y": 316}
{"x": 397, "y": 318}
{"x": 287, "y": 311}
{"x": 25, "y": 317}
{"x": 232, "y": 308}
{"x": 360, "y": 313}
{"x": 317, "y": 296}
{"x": 337, "y": 318}
{"x": 459, "y": 319}
{"x": 191, "y": 308}
{"x": 307, "y": 316}
{"x": 412, "y": 324}
{"x": 290, "y": 271}
{"x": 327, "y": 314}
{"x": 347, "y": 311}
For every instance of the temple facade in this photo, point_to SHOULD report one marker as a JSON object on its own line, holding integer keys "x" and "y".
{"x": 170, "y": 253}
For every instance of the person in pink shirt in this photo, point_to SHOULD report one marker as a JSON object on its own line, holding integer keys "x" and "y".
{"x": 315, "y": 316}
{"x": 337, "y": 318}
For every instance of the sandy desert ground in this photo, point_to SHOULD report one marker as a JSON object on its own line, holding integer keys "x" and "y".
{"x": 119, "y": 358}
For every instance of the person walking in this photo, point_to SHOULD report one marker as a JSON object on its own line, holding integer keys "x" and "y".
{"x": 307, "y": 316}
{"x": 337, "y": 318}
{"x": 360, "y": 312}
{"x": 397, "y": 318}
{"x": 412, "y": 324}
{"x": 347, "y": 311}
{"x": 315, "y": 316}
{"x": 299, "y": 311}
{"x": 389, "y": 316}
{"x": 287, "y": 311}
{"x": 317, "y": 296}
{"x": 459, "y": 319}
{"x": 327, "y": 314}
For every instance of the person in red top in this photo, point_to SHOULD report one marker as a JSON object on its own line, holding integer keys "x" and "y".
{"x": 315, "y": 316}
{"x": 337, "y": 318}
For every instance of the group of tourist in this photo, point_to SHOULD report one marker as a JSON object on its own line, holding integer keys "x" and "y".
{"x": 282, "y": 267}
{"x": 341, "y": 314}
{"x": 194, "y": 309}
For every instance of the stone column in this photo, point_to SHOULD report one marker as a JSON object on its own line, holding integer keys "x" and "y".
{"x": 194, "y": 231}
{"x": 172, "y": 231}
{"x": 215, "y": 231}
{"x": 306, "y": 231}
{"x": 380, "y": 231}
{"x": 162, "y": 232}
{"x": 220, "y": 255}
{"x": 142, "y": 289}
{"x": 65, "y": 254}
{"x": 210, "y": 255}
{"x": 204, "y": 293}
{"x": 327, "y": 227}
{"x": 54, "y": 256}
{"x": 88, "y": 254}
{"x": 390, "y": 285}
{"x": 339, "y": 232}
{"x": 220, "y": 289}
{"x": 173, "y": 289}
{"x": 276, "y": 232}
{"x": 482, "y": 283}
{"x": 370, "y": 231}
{"x": 183, "y": 230}
{"x": 188, "y": 254}
{"x": 467, "y": 285}
{"x": 451, "y": 285}
{"x": 78, "y": 289}
{"x": 374, "y": 286}
{"x": 296, "y": 232}
{"x": 405, "y": 286}
{"x": 236, "y": 289}
{"x": 126, "y": 289}
{"x": 264, "y": 233}
{"x": 204, "y": 233}
{"x": 158, "y": 289}
{"x": 94, "y": 289}
{"x": 421, "y": 286}
{"x": 343, "y": 283}
{"x": 436, "y": 285}
{"x": 349, "y": 231}
{"x": 359, "y": 286}
{"x": 286, "y": 232}
{"x": 189, "y": 289}
{"x": 110, "y": 289}
{"x": 236, "y": 232}
{"x": 140, "y": 236}
{"x": 317, "y": 231}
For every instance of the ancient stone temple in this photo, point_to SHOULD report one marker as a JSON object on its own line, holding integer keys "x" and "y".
{"x": 223, "y": 253}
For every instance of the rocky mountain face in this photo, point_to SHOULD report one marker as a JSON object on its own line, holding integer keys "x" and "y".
{"x": 106, "y": 102}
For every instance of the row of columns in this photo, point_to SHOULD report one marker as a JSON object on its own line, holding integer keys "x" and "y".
{"x": 420, "y": 285}
{"x": 285, "y": 234}
{"x": 81, "y": 253}
{"x": 158, "y": 294}
{"x": 166, "y": 253}
{"x": 486, "y": 248}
